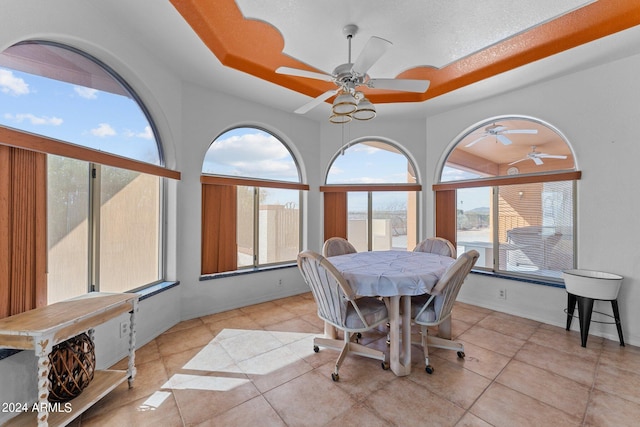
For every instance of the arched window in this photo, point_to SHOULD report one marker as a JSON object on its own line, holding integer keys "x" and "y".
{"x": 252, "y": 194}
{"x": 509, "y": 182}
{"x": 104, "y": 169}
{"x": 371, "y": 196}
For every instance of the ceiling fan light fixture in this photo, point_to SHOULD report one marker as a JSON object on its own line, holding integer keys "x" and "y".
{"x": 344, "y": 104}
{"x": 366, "y": 110}
{"x": 340, "y": 118}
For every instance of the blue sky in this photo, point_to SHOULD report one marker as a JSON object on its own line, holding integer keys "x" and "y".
{"x": 76, "y": 114}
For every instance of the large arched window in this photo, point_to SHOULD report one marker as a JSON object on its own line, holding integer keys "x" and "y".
{"x": 371, "y": 196}
{"x": 104, "y": 168}
{"x": 509, "y": 183}
{"x": 252, "y": 194}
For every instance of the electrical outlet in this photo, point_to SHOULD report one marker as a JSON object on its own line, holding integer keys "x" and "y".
{"x": 502, "y": 293}
{"x": 280, "y": 283}
{"x": 124, "y": 329}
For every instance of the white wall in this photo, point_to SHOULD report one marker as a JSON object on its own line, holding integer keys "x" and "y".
{"x": 597, "y": 110}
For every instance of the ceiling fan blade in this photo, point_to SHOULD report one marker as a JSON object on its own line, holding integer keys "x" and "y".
{"x": 304, "y": 73}
{"x": 373, "y": 50}
{"x": 530, "y": 131}
{"x": 551, "y": 156}
{"x": 316, "y": 101}
{"x": 403, "y": 85}
{"x": 475, "y": 141}
{"x": 518, "y": 161}
{"x": 537, "y": 160}
{"x": 503, "y": 139}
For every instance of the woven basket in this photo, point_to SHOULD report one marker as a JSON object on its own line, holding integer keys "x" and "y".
{"x": 72, "y": 364}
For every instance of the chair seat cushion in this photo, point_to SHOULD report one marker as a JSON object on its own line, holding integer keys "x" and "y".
{"x": 428, "y": 315}
{"x": 372, "y": 309}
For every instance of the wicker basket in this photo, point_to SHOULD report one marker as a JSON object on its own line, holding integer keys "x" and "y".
{"x": 72, "y": 364}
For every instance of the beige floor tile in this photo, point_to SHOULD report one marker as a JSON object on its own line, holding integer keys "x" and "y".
{"x": 492, "y": 340}
{"x": 357, "y": 416}
{"x": 254, "y": 412}
{"x": 479, "y": 360}
{"x": 578, "y": 367}
{"x": 405, "y": 403}
{"x": 619, "y": 382}
{"x": 204, "y": 398}
{"x": 552, "y": 389}
{"x": 470, "y": 420}
{"x": 159, "y": 409}
{"x": 468, "y": 315}
{"x": 451, "y": 381}
{"x": 309, "y": 400}
{"x": 506, "y": 325}
{"x": 609, "y": 410}
{"x": 256, "y": 366}
{"x": 181, "y": 340}
{"x": 502, "y": 406}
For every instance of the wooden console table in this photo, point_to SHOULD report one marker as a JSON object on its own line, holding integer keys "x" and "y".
{"x": 42, "y": 328}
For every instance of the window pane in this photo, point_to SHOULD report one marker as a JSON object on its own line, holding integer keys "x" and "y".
{"x": 279, "y": 223}
{"x": 509, "y": 146}
{"x": 250, "y": 153}
{"x": 245, "y": 226}
{"x": 371, "y": 162}
{"x": 536, "y": 223}
{"x": 389, "y": 220}
{"x": 56, "y": 92}
{"x": 129, "y": 229}
{"x": 357, "y": 225}
{"x": 67, "y": 228}
{"x": 474, "y": 223}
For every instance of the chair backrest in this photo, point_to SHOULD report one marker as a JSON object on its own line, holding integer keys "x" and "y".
{"x": 436, "y": 245}
{"x": 332, "y": 292}
{"x": 337, "y": 246}
{"x": 447, "y": 288}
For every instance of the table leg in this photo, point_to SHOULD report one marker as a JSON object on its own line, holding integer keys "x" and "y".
{"x": 330, "y": 331}
{"x": 400, "y": 363}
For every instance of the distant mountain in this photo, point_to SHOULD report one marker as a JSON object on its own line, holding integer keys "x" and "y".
{"x": 481, "y": 210}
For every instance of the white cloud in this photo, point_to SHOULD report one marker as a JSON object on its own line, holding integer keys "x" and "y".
{"x": 103, "y": 130}
{"x": 256, "y": 154}
{"x": 145, "y": 134}
{"x": 11, "y": 84}
{"x": 86, "y": 92}
{"x": 34, "y": 120}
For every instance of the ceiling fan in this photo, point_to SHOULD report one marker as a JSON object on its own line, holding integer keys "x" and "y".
{"x": 498, "y": 131}
{"x": 537, "y": 157}
{"x": 350, "y": 102}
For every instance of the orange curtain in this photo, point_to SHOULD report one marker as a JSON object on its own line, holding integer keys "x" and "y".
{"x": 23, "y": 227}
{"x": 219, "y": 238}
{"x": 335, "y": 215}
{"x": 446, "y": 215}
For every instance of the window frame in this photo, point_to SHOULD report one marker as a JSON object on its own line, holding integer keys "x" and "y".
{"x": 256, "y": 184}
{"x": 336, "y": 221}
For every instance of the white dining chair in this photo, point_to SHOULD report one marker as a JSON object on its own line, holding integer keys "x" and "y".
{"x": 434, "y": 309}
{"x": 335, "y": 246}
{"x": 338, "y": 306}
{"x": 436, "y": 245}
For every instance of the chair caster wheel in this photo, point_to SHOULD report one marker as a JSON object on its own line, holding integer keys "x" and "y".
{"x": 461, "y": 354}
{"x": 359, "y": 335}
{"x": 335, "y": 377}
{"x": 316, "y": 348}
{"x": 429, "y": 369}
{"x": 385, "y": 366}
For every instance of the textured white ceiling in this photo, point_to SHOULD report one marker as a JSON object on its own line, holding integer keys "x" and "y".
{"x": 423, "y": 32}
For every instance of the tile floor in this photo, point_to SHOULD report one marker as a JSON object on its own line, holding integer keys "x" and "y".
{"x": 255, "y": 366}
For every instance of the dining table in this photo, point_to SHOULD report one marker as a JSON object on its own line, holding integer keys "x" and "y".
{"x": 395, "y": 275}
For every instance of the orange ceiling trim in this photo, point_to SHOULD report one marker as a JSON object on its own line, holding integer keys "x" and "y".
{"x": 256, "y": 47}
